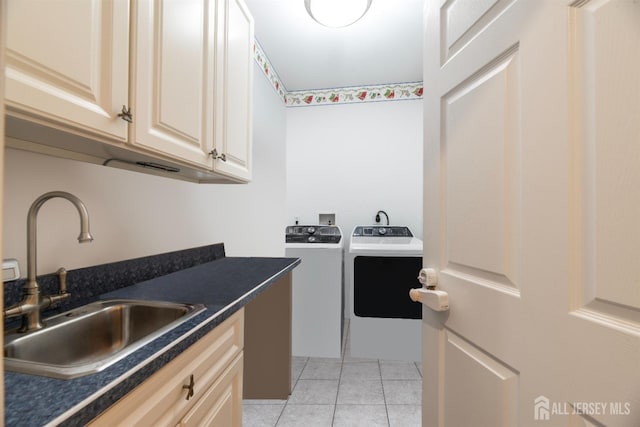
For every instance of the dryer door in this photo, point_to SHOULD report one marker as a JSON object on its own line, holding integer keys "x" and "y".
{"x": 381, "y": 286}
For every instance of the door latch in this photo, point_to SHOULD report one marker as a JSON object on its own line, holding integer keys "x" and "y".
{"x": 428, "y": 295}
{"x": 428, "y": 277}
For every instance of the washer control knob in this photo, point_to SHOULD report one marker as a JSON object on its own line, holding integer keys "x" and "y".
{"x": 311, "y": 230}
{"x": 382, "y": 231}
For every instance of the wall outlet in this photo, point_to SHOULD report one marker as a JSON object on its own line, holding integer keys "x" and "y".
{"x": 327, "y": 219}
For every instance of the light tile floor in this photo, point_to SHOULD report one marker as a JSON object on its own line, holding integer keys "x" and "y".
{"x": 347, "y": 392}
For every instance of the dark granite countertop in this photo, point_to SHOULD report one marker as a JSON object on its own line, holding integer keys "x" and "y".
{"x": 223, "y": 286}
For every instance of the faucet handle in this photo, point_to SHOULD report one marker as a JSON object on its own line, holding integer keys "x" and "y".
{"x": 62, "y": 278}
{"x": 63, "y": 294}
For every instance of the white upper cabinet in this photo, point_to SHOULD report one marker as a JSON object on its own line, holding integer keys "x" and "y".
{"x": 68, "y": 64}
{"x": 234, "y": 87}
{"x": 174, "y": 47}
{"x": 188, "y": 86}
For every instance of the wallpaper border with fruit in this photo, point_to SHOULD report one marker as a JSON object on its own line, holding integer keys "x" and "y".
{"x": 346, "y": 95}
{"x": 268, "y": 70}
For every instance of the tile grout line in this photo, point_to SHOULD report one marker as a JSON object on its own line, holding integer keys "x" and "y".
{"x": 335, "y": 406}
{"x": 286, "y": 403}
{"x": 384, "y": 395}
{"x": 345, "y": 340}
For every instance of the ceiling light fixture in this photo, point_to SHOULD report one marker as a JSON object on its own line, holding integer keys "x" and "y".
{"x": 337, "y": 13}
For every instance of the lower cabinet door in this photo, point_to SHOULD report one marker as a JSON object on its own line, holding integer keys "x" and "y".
{"x": 221, "y": 404}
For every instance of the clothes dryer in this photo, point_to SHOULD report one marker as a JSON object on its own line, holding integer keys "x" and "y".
{"x": 382, "y": 265}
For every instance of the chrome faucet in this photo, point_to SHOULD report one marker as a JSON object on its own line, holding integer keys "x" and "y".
{"x": 32, "y": 302}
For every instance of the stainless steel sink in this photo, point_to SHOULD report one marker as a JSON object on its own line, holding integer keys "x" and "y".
{"x": 92, "y": 337}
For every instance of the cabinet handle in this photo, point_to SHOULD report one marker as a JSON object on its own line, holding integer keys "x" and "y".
{"x": 214, "y": 154}
{"x": 189, "y": 387}
{"x": 125, "y": 114}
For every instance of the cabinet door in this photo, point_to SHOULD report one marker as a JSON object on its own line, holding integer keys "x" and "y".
{"x": 221, "y": 404}
{"x": 234, "y": 84}
{"x": 174, "y": 48}
{"x": 67, "y": 64}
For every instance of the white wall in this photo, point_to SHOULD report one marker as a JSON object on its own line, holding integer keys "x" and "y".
{"x": 133, "y": 214}
{"x": 354, "y": 160}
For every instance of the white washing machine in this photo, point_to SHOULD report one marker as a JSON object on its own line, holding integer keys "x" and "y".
{"x": 317, "y": 305}
{"x": 382, "y": 264}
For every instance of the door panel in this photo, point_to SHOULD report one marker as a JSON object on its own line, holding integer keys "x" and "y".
{"x": 482, "y": 177}
{"x": 234, "y": 82}
{"x": 607, "y": 175}
{"x": 482, "y": 383}
{"x": 531, "y": 177}
{"x": 174, "y": 87}
{"x": 462, "y": 20}
{"x": 73, "y": 71}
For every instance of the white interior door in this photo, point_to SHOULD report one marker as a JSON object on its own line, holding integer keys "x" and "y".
{"x": 532, "y": 212}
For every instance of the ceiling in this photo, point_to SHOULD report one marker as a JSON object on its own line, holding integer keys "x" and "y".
{"x": 383, "y": 47}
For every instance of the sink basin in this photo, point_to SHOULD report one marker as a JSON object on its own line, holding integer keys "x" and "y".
{"x": 92, "y": 337}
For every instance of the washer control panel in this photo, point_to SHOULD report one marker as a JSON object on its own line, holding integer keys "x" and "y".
{"x": 313, "y": 234}
{"x": 382, "y": 231}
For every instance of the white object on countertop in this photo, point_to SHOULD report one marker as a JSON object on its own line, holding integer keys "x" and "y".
{"x": 10, "y": 269}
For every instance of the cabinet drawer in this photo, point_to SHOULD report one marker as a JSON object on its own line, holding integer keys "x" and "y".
{"x": 162, "y": 399}
{"x": 221, "y": 405}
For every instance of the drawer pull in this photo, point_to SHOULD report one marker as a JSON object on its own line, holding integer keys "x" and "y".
{"x": 189, "y": 387}
{"x": 214, "y": 154}
{"x": 125, "y": 114}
